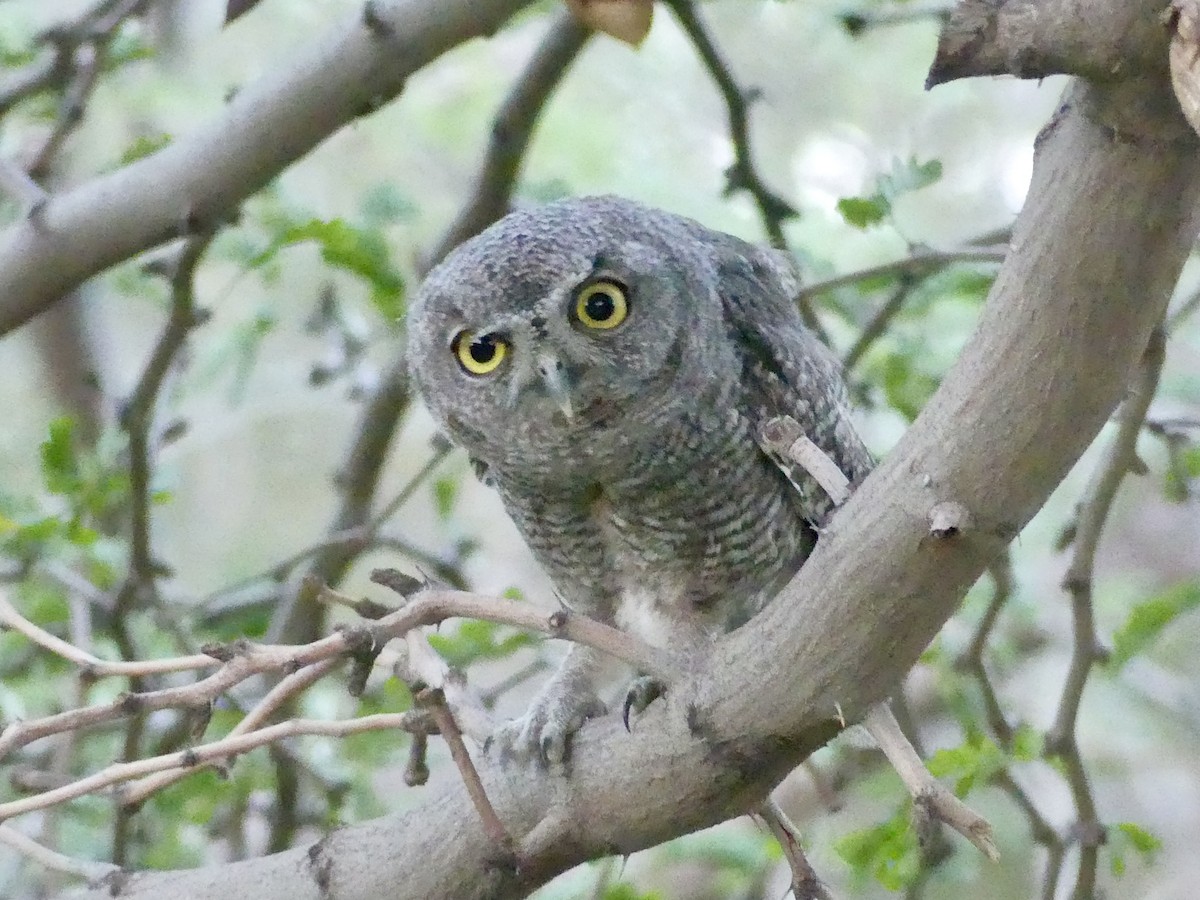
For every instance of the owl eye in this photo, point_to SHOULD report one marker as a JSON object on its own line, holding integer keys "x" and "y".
{"x": 479, "y": 354}
{"x": 601, "y": 305}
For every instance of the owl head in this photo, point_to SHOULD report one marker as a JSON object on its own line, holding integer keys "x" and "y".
{"x": 567, "y": 328}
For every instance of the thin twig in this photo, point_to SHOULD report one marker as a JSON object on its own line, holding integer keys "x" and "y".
{"x": 1119, "y": 459}
{"x": 357, "y": 540}
{"x": 1182, "y": 312}
{"x": 431, "y": 607}
{"x": 16, "y": 183}
{"x": 434, "y": 701}
{"x": 137, "y": 419}
{"x": 135, "y": 795}
{"x": 784, "y": 436}
{"x": 53, "y": 68}
{"x": 971, "y": 659}
{"x": 82, "y": 868}
{"x": 743, "y": 175}
{"x": 441, "y": 450}
{"x": 883, "y": 15}
{"x": 919, "y": 263}
{"x": 930, "y": 796}
{"x": 245, "y": 659}
{"x": 805, "y": 883}
{"x": 879, "y": 322}
{"x": 494, "y": 692}
{"x": 94, "y": 666}
{"x": 225, "y": 747}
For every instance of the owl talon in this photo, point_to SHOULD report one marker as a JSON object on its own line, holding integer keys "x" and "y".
{"x": 544, "y": 733}
{"x": 642, "y": 692}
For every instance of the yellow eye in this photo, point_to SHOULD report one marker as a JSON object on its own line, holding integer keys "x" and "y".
{"x": 479, "y": 355}
{"x": 602, "y": 305}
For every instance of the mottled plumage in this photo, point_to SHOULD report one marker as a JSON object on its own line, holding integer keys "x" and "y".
{"x": 629, "y": 455}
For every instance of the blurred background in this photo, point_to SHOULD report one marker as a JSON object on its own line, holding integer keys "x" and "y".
{"x": 303, "y": 299}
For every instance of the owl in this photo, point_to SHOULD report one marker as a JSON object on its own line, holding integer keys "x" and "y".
{"x": 609, "y": 368}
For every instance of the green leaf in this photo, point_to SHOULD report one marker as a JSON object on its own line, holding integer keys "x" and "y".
{"x": 384, "y": 204}
{"x": 361, "y": 252}
{"x": 973, "y": 762}
{"x": 1126, "y": 836}
{"x": 1183, "y": 469}
{"x": 445, "y": 490}
{"x": 910, "y": 175}
{"x": 887, "y": 852}
{"x": 905, "y": 386}
{"x": 476, "y": 640}
{"x": 1148, "y": 619}
{"x": 623, "y": 890}
{"x": 863, "y": 212}
{"x": 905, "y": 177}
{"x": 60, "y": 463}
{"x": 1191, "y": 461}
{"x": 1143, "y": 841}
{"x": 1027, "y": 744}
{"x": 129, "y": 45}
{"x": 144, "y": 145}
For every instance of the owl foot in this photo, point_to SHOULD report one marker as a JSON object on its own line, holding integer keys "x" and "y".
{"x": 544, "y": 733}
{"x": 643, "y": 691}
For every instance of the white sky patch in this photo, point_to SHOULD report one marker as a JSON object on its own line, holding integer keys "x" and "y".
{"x": 828, "y": 169}
{"x": 1015, "y": 176}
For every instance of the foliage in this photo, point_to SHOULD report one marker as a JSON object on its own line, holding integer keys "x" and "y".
{"x": 905, "y": 177}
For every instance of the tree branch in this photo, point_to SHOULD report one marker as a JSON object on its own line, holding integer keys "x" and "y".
{"x": 220, "y": 749}
{"x": 243, "y": 659}
{"x": 199, "y": 180}
{"x": 51, "y": 859}
{"x": 743, "y": 175}
{"x": 1036, "y": 38}
{"x": 1120, "y": 458}
{"x": 94, "y": 666}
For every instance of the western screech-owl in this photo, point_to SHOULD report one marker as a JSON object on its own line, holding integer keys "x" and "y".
{"x": 609, "y": 367}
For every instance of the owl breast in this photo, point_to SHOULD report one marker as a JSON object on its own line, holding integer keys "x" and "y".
{"x": 679, "y": 517}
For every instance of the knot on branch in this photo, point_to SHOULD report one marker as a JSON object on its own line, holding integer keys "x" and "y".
{"x": 395, "y": 580}
{"x": 558, "y": 620}
{"x": 129, "y": 703}
{"x": 225, "y": 652}
{"x": 375, "y": 22}
{"x": 949, "y": 519}
{"x": 1089, "y": 834}
{"x": 363, "y": 649}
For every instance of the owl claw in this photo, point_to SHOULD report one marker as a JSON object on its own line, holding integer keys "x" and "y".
{"x": 643, "y": 691}
{"x": 544, "y": 733}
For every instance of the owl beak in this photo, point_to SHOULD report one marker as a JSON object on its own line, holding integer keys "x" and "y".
{"x": 550, "y": 367}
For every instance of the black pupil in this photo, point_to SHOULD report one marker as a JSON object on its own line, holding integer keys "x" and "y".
{"x": 600, "y": 306}
{"x": 483, "y": 349}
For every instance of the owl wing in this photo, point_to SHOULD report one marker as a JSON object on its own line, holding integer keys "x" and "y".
{"x": 786, "y": 370}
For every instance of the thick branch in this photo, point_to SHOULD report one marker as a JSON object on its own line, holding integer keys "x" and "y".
{"x": 200, "y": 179}
{"x": 1103, "y": 41}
